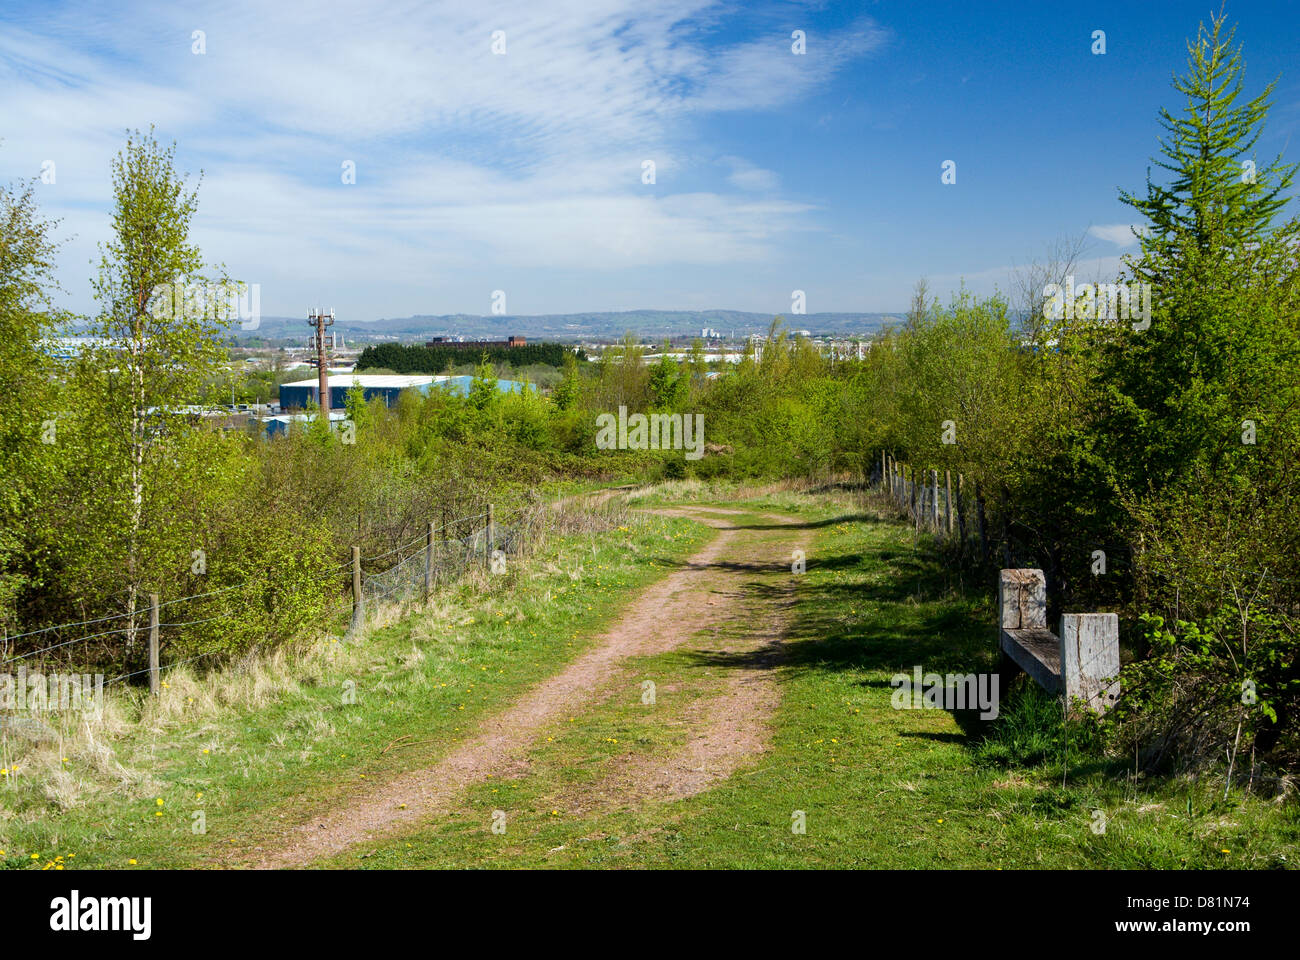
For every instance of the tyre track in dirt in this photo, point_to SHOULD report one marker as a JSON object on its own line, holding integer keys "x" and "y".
{"x": 727, "y": 730}
{"x": 663, "y": 617}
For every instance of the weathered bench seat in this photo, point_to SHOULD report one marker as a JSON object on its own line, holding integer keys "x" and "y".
{"x": 1037, "y": 651}
{"x": 1080, "y": 662}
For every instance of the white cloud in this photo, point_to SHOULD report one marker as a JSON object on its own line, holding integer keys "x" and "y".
{"x": 465, "y": 160}
{"x": 745, "y": 176}
{"x": 1120, "y": 234}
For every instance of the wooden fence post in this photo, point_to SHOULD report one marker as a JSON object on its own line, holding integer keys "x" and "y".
{"x": 489, "y": 537}
{"x": 947, "y": 499}
{"x": 882, "y": 469}
{"x": 428, "y": 563}
{"x": 982, "y": 520}
{"x": 934, "y": 501}
{"x": 1006, "y": 529}
{"x": 155, "y": 686}
{"x": 961, "y": 515}
{"x": 358, "y": 607}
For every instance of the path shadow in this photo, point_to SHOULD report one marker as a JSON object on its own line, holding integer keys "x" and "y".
{"x": 806, "y": 524}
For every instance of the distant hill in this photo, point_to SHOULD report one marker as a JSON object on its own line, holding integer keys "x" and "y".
{"x": 571, "y": 326}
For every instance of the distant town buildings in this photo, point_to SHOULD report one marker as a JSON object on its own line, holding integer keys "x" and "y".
{"x": 476, "y": 344}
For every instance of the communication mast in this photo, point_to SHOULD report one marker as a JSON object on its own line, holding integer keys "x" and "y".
{"x": 319, "y": 320}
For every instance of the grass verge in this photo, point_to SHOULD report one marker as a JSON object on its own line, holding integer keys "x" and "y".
{"x": 221, "y": 764}
{"x": 875, "y": 787}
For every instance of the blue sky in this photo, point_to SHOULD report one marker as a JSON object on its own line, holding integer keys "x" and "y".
{"x": 522, "y": 171}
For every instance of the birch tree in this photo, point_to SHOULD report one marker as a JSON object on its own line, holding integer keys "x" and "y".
{"x": 159, "y": 324}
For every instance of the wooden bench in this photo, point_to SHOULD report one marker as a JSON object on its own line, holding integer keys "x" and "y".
{"x": 1080, "y": 662}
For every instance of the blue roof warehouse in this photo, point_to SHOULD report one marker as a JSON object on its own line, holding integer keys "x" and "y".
{"x": 387, "y": 387}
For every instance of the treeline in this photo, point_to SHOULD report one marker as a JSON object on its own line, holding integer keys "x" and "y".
{"x": 112, "y": 493}
{"x": 1145, "y": 454}
{"x": 413, "y": 359}
{"x": 1149, "y": 462}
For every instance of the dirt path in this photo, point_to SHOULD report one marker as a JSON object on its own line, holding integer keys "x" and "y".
{"x": 663, "y": 617}
{"x": 727, "y": 731}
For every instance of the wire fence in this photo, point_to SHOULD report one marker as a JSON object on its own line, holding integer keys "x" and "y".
{"x": 408, "y": 572}
{"x": 393, "y": 575}
{"x": 432, "y": 563}
{"x": 944, "y": 504}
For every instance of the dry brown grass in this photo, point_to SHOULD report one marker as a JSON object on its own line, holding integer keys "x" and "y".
{"x": 110, "y": 750}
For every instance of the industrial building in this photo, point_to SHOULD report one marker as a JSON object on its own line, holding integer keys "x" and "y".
{"x": 460, "y": 385}
{"x": 277, "y": 425}
{"x": 387, "y": 387}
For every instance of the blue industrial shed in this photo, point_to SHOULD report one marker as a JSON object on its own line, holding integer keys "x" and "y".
{"x": 279, "y": 425}
{"x": 387, "y": 387}
{"x": 460, "y": 385}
